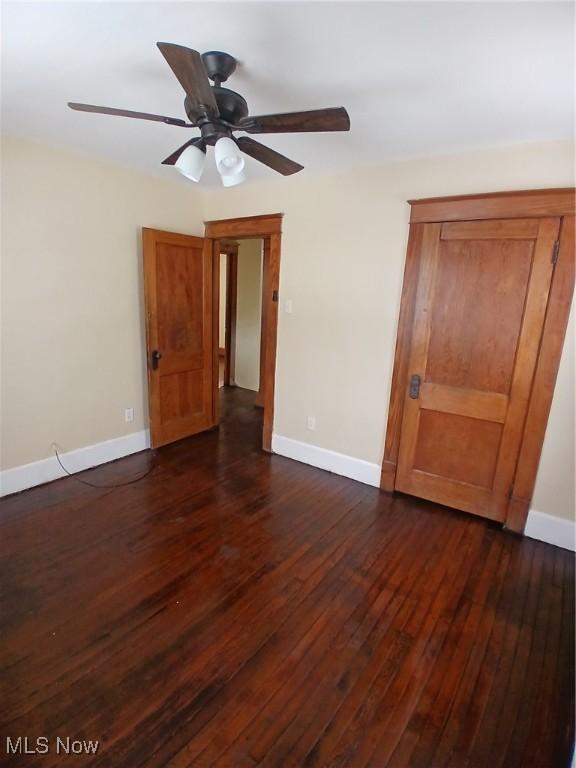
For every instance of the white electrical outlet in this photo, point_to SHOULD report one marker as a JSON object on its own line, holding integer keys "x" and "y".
{"x": 311, "y": 422}
{"x": 129, "y": 414}
{"x": 288, "y": 306}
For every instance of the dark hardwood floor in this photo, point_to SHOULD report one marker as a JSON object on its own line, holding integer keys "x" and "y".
{"x": 239, "y": 609}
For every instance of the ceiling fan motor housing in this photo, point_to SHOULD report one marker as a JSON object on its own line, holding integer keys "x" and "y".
{"x": 231, "y": 106}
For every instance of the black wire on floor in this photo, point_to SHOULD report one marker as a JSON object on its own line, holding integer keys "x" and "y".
{"x": 95, "y": 485}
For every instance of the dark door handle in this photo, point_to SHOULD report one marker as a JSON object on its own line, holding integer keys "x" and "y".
{"x": 155, "y": 357}
{"x": 415, "y": 386}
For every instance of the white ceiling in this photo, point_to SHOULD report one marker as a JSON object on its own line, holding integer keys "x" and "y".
{"x": 416, "y": 78}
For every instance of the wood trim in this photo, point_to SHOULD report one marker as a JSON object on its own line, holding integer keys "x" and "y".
{"x": 536, "y": 203}
{"x": 231, "y": 305}
{"x": 520, "y": 229}
{"x": 228, "y": 247}
{"x": 488, "y": 406}
{"x": 401, "y": 358}
{"x": 269, "y": 229}
{"x": 263, "y": 320}
{"x": 555, "y": 323}
{"x": 249, "y": 226}
{"x": 210, "y": 247}
{"x": 270, "y": 337}
{"x": 499, "y": 205}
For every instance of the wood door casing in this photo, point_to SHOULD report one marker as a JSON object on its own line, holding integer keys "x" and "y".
{"x": 479, "y": 312}
{"x": 269, "y": 228}
{"x": 178, "y": 278}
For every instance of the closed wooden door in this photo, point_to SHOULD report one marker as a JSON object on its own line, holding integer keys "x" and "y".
{"x": 478, "y": 318}
{"x": 178, "y": 276}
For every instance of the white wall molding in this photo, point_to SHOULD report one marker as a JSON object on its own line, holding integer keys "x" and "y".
{"x": 541, "y": 526}
{"x": 46, "y": 470}
{"x": 339, "y": 463}
{"x": 553, "y": 530}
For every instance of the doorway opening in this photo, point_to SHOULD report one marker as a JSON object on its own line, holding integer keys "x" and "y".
{"x": 240, "y": 315}
{"x": 182, "y": 301}
{"x": 245, "y": 303}
{"x": 239, "y": 333}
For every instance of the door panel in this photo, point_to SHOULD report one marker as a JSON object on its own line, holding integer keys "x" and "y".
{"x": 480, "y": 305}
{"x": 178, "y": 279}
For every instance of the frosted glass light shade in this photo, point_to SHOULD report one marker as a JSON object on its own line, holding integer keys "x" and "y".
{"x": 229, "y": 160}
{"x": 233, "y": 179}
{"x": 191, "y": 163}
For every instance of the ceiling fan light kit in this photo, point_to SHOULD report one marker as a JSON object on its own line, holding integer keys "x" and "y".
{"x": 218, "y": 112}
{"x": 233, "y": 179}
{"x": 191, "y": 162}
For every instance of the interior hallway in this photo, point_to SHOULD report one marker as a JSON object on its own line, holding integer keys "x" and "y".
{"x": 240, "y": 609}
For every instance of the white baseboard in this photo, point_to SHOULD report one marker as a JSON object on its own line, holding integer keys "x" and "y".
{"x": 553, "y": 530}
{"x": 46, "y": 470}
{"x": 541, "y": 526}
{"x": 339, "y": 463}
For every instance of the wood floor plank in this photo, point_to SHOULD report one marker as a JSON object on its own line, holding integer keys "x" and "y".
{"x": 236, "y": 609}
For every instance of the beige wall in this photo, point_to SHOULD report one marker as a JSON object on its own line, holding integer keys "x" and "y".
{"x": 342, "y": 259}
{"x": 72, "y": 316}
{"x": 247, "y": 365}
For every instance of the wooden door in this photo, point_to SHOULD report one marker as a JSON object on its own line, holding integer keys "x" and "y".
{"x": 178, "y": 278}
{"x": 480, "y": 307}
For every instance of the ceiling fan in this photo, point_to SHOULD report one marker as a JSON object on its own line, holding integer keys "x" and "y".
{"x": 218, "y": 112}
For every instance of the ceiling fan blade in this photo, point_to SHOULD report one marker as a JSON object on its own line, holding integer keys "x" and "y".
{"x": 173, "y": 158}
{"x": 128, "y": 113}
{"x": 332, "y": 119}
{"x": 189, "y": 68}
{"x": 268, "y": 156}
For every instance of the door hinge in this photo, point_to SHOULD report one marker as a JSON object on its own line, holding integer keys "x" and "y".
{"x": 555, "y": 251}
{"x": 274, "y": 295}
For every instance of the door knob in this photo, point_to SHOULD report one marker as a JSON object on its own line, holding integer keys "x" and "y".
{"x": 415, "y": 386}
{"x": 155, "y": 357}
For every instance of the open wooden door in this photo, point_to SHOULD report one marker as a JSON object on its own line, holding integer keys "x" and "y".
{"x": 178, "y": 284}
{"x": 479, "y": 314}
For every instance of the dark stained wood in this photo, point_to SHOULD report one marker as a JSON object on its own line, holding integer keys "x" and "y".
{"x": 240, "y": 609}
{"x": 497, "y": 205}
{"x": 269, "y": 157}
{"x": 330, "y": 119}
{"x": 128, "y": 113}
{"x": 191, "y": 73}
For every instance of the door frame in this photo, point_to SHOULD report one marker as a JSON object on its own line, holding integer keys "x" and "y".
{"x": 268, "y": 228}
{"x": 231, "y": 251}
{"x": 501, "y": 205}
